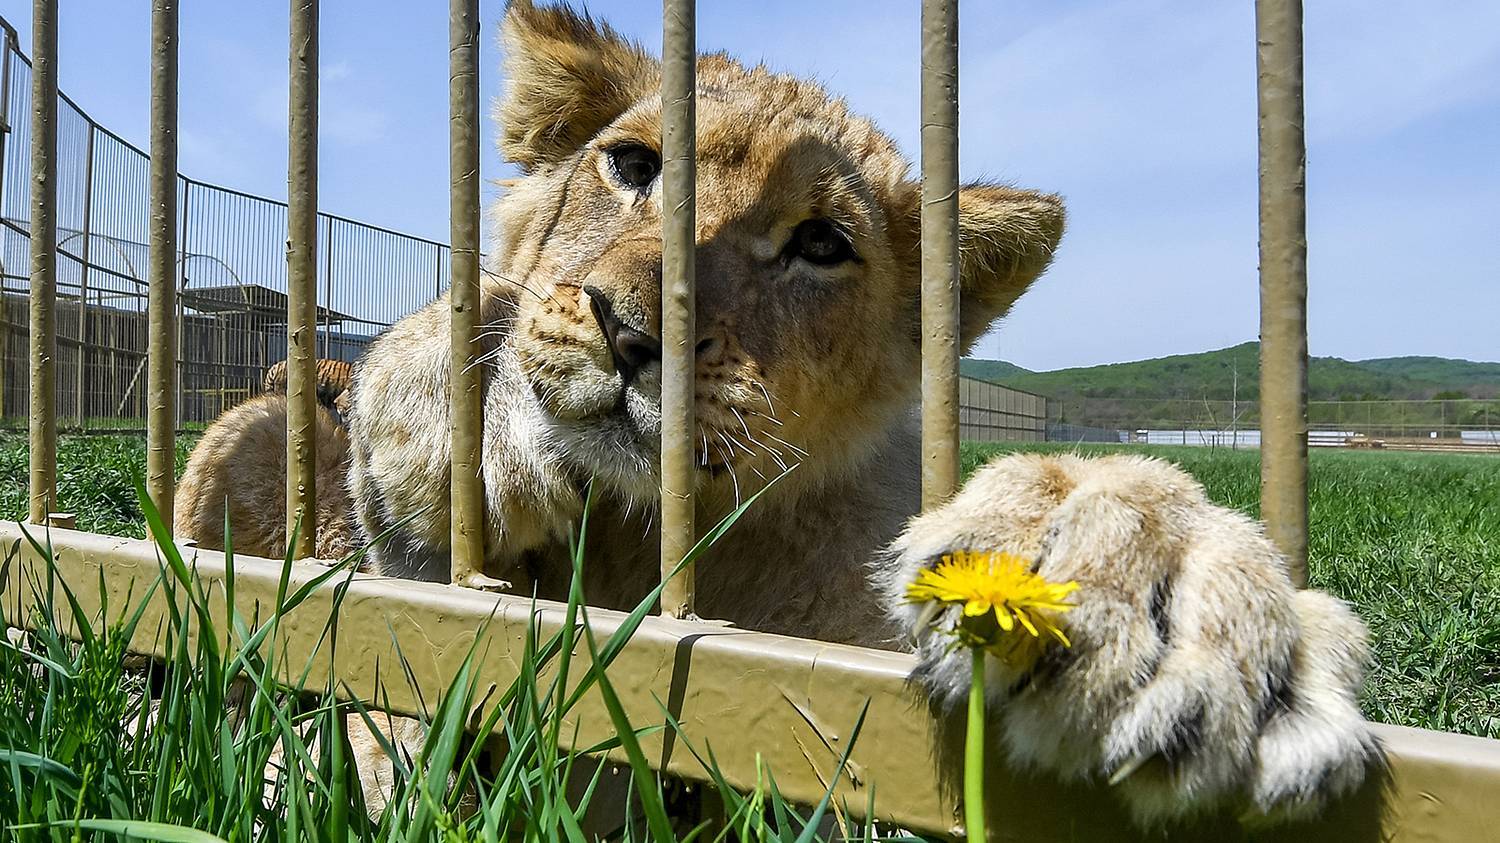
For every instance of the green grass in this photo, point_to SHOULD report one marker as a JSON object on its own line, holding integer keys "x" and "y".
{"x": 95, "y": 479}
{"x": 207, "y": 747}
{"x": 1413, "y": 542}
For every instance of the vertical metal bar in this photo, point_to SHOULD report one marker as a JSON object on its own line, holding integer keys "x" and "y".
{"x": 302, "y": 277}
{"x": 43, "y": 485}
{"x": 10, "y": 46}
{"x": 161, "y": 305}
{"x": 1283, "y": 280}
{"x": 940, "y": 349}
{"x": 466, "y": 393}
{"x": 179, "y": 288}
{"x": 679, "y": 62}
{"x": 328, "y": 287}
{"x": 83, "y": 284}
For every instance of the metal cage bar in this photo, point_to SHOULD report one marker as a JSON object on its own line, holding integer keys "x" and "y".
{"x": 1283, "y": 279}
{"x": 302, "y": 278}
{"x": 43, "y": 293}
{"x": 466, "y": 495}
{"x": 678, "y": 334}
{"x": 161, "y": 410}
{"x": 81, "y": 369}
{"x": 940, "y": 266}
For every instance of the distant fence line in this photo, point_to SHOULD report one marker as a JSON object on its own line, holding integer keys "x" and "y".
{"x": 231, "y": 289}
{"x": 994, "y": 413}
{"x": 1446, "y": 419}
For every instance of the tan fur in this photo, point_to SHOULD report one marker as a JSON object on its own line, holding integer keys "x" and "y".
{"x": 816, "y": 367}
{"x": 812, "y": 366}
{"x": 241, "y": 463}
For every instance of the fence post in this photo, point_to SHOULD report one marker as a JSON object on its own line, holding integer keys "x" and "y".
{"x": 179, "y": 304}
{"x": 302, "y": 278}
{"x": 940, "y": 258}
{"x": 1283, "y": 280}
{"x": 6, "y": 49}
{"x": 8, "y": 46}
{"x": 161, "y": 332}
{"x": 328, "y": 288}
{"x": 466, "y": 386}
{"x": 43, "y": 425}
{"x": 679, "y": 185}
{"x": 83, "y": 284}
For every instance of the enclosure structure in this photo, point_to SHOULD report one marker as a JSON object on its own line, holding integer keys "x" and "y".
{"x": 989, "y": 412}
{"x": 755, "y": 698}
{"x": 230, "y": 272}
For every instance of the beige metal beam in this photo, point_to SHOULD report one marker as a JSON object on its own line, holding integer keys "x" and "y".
{"x": 1283, "y": 280}
{"x": 940, "y": 299}
{"x": 302, "y": 277}
{"x": 679, "y": 64}
{"x": 43, "y": 298}
{"x": 161, "y": 394}
{"x": 754, "y": 698}
{"x": 466, "y": 389}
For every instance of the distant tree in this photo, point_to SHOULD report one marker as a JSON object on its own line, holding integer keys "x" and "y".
{"x": 1450, "y": 395}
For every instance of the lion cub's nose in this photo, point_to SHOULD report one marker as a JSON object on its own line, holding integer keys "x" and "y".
{"x": 712, "y": 348}
{"x": 631, "y": 349}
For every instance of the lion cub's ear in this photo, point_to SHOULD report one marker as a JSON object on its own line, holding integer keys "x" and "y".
{"x": 568, "y": 76}
{"x": 1006, "y": 239}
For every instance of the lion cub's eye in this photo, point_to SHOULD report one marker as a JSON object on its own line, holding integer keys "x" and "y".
{"x": 820, "y": 241}
{"x": 635, "y": 165}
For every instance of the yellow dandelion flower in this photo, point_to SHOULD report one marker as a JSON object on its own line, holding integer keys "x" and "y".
{"x": 1000, "y": 595}
{"x": 1007, "y": 611}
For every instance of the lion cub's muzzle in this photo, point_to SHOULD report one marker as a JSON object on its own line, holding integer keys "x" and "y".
{"x": 632, "y": 349}
{"x": 629, "y": 347}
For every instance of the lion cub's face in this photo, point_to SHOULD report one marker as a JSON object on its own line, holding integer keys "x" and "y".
{"x": 807, "y": 267}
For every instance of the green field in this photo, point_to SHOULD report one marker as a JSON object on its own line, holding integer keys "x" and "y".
{"x": 95, "y": 479}
{"x": 1412, "y": 540}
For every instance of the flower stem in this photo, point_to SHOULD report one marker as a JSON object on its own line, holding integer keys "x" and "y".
{"x": 974, "y": 754}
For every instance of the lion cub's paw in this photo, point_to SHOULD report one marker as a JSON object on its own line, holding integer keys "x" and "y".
{"x": 1199, "y": 679}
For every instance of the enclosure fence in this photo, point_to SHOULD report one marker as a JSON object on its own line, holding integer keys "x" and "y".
{"x": 1447, "y": 424}
{"x": 230, "y": 275}
{"x": 989, "y": 412}
{"x": 761, "y": 702}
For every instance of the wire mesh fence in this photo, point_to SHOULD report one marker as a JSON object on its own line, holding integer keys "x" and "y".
{"x": 231, "y": 276}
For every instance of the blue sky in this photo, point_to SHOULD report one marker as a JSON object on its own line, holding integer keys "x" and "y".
{"x": 1141, "y": 112}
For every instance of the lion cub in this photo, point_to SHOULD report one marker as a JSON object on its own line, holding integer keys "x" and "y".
{"x": 1198, "y": 669}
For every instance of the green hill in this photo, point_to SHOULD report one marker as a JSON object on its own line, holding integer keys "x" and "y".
{"x": 1475, "y": 379}
{"x": 1210, "y": 375}
{"x": 995, "y": 371}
